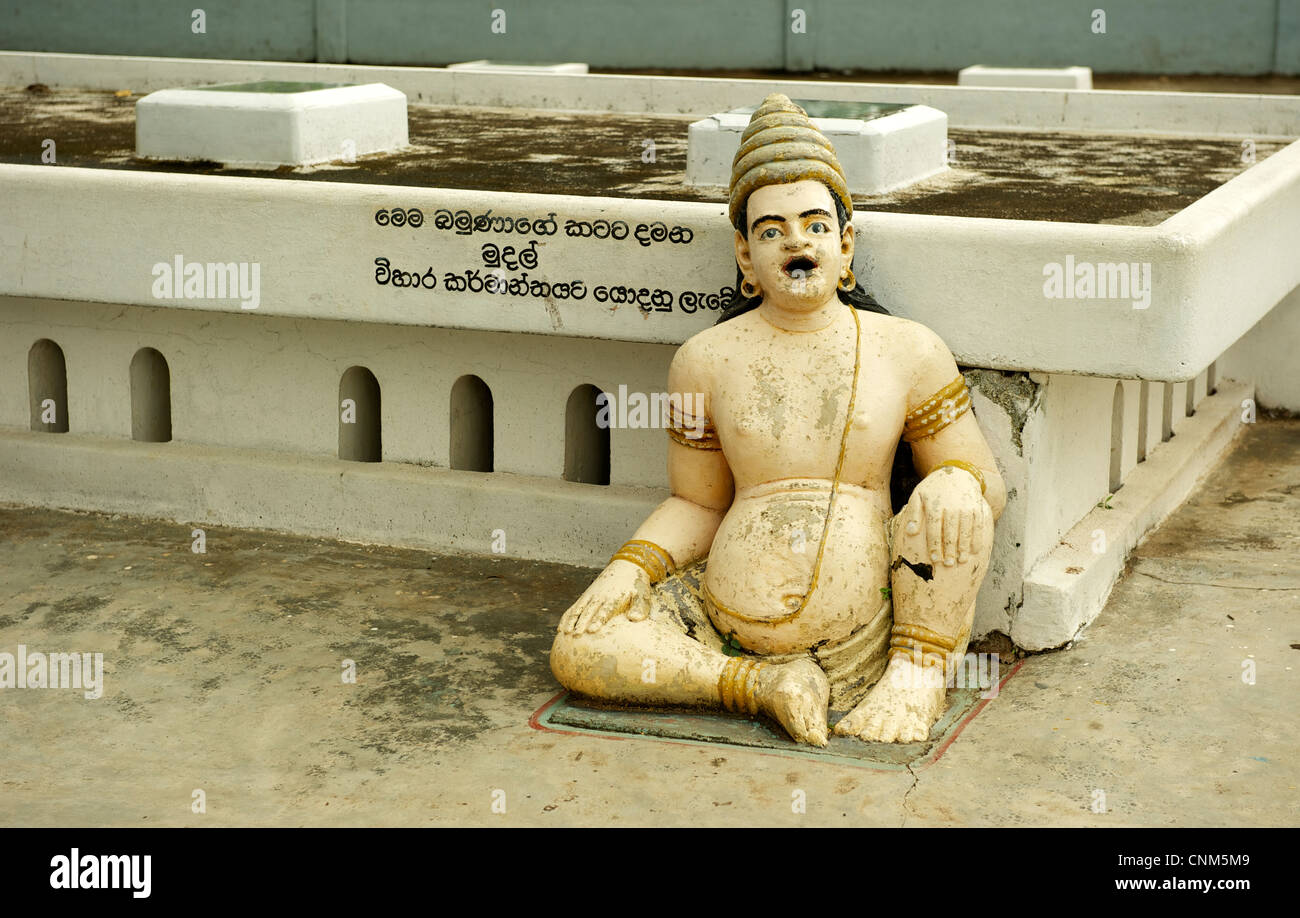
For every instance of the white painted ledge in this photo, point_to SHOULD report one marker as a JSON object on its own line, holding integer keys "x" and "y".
{"x": 1066, "y": 590}
{"x": 489, "y": 66}
{"x": 1026, "y": 77}
{"x": 1217, "y": 267}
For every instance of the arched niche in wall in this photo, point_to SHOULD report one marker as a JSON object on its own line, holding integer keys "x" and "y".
{"x": 471, "y": 425}
{"x": 47, "y": 387}
{"x": 586, "y": 443}
{"x": 151, "y": 397}
{"x": 360, "y": 429}
{"x": 1117, "y": 439}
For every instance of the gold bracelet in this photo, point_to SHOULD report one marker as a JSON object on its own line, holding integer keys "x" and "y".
{"x": 738, "y": 685}
{"x": 937, "y": 412}
{"x": 961, "y": 464}
{"x": 654, "y": 560}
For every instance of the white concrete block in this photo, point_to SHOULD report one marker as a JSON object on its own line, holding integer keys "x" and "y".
{"x": 1026, "y": 77}
{"x": 895, "y": 148}
{"x": 487, "y": 66}
{"x": 266, "y": 125}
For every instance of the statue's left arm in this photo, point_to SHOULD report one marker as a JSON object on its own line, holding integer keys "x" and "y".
{"x": 949, "y": 451}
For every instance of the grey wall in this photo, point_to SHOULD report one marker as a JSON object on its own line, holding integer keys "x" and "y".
{"x": 1142, "y": 36}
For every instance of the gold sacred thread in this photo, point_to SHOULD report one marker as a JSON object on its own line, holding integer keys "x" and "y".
{"x": 830, "y": 507}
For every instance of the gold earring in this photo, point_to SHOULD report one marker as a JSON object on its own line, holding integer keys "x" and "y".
{"x": 848, "y": 281}
{"x": 749, "y": 288}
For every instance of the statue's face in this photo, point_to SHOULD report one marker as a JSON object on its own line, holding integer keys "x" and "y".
{"x": 795, "y": 250}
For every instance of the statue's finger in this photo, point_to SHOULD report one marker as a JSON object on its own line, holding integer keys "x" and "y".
{"x": 584, "y": 617}
{"x": 934, "y": 532}
{"x": 570, "y": 620}
{"x": 599, "y": 615}
{"x": 639, "y": 609}
{"x": 619, "y": 608}
{"x": 963, "y": 536}
{"x": 951, "y": 529}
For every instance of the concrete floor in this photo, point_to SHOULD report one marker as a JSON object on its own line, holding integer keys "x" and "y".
{"x": 223, "y": 673}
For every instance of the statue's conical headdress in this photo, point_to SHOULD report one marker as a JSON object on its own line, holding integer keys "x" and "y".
{"x": 781, "y": 145}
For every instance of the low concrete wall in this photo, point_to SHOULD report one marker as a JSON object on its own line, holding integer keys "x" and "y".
{"x": 1198, "y": 114}
{"x": 319, "y": 247}
{"x": 253, "y": 411}
{"x": 257, "y": 382}
{"x": 1155, "y": 36}
{"x": 1266, "y": 356}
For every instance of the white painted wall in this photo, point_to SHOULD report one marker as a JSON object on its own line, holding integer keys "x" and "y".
{"x": 1267, "y": 356}
{"x": 272, "y": 383}
{"x": 316, "y": 244}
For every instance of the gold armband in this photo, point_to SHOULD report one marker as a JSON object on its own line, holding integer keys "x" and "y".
{"x": 960, "y": 464}
{"x": 925, "y": 647}
{"x": 692, "y": 431}
{"x": 738, "y": 685}
{"x": 648, "y": 556}
{"x": 937, "y": 412}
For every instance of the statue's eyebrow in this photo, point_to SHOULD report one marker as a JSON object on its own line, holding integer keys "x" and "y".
{"x": 779, "y": 219}
{"x": 814, "y": 212}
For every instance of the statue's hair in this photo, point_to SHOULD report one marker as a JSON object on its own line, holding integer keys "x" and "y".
{"x": 740, "y": 304}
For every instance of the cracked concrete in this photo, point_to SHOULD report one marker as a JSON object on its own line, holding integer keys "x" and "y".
{"x": 223, "y": 673}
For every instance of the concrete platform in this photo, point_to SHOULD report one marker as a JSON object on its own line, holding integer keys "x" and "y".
{"x": 1059, "y": 176}
{"x": 223, "y": 673}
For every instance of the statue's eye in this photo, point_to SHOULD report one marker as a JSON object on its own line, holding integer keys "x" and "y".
{"x": 770, "y": 233}
{"x": 818, "y": 227}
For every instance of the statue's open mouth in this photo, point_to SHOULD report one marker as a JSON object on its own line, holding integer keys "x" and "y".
{"x": 799, "y": 266}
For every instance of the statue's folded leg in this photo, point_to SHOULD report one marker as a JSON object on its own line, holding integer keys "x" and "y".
{"x": 934, "y": 606}
{"x": 673, "y": 656}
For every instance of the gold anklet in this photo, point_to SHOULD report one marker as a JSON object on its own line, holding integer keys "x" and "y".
{"x": 738, "y": 685}
{"x": 966, "y": 466}
{"x": 654, "y": 560}
{"x": 924, "y": 646}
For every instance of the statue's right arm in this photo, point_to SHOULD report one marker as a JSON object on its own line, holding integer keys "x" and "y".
{"x": 683, "y": 525}
{"x": 698, "y": 474}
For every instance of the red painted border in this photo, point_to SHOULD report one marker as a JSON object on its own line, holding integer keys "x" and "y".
{"x": 938, "y": 753}
{"x": 534, "y": 722}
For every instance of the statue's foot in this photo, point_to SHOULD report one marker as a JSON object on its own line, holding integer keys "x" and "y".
{"x": 901, "y": 707}
{"x": 796, "y": 694}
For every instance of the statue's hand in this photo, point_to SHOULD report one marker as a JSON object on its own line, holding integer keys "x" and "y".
{"x": 621, "y": 588}
{"x": 951, "y": 504}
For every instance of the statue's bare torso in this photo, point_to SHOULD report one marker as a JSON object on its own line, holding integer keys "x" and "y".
{"x": 780, "y": 420}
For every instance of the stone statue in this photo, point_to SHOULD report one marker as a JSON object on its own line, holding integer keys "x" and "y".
{"x": 776, "y": 578}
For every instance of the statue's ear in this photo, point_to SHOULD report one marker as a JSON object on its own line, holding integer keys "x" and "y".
{"x": 742, "y": 253}
{"x": 848, "y": 237}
